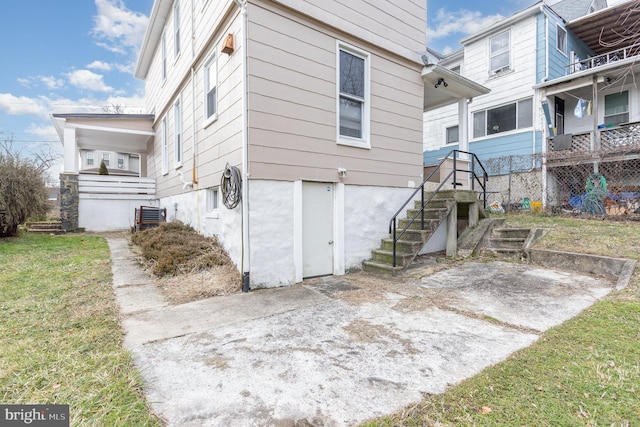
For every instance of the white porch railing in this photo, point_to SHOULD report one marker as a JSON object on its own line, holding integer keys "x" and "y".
{"x": 108, "y": 202}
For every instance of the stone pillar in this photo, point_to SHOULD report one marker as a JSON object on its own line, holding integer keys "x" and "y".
{"x": 69, "y": 201}
{"x": 474, "y": 215}
{"x": 452, "y": 231}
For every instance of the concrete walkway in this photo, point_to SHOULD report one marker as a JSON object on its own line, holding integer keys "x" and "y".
{"x": 309, "y": 355}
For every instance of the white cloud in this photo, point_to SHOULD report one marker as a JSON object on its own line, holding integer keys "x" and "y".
{"x": 17, "y": 105}
{"x": 24, "y": 81}
{"x": 463, "y": 22}
{"x": 89, "y": 80}
{"x": 52, "y": 82}
{"x": 117, "y": 28}
{"x": 99, "y": 65}
{"x": 46, "y": 132}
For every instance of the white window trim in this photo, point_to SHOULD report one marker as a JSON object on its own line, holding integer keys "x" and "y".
{"x": 107, "y": 161}
{"x": 120, "y": 156}
{"x": 176, "y": 30}
{"x": 178, "y": 137}
{"x": 566, "y": 42}
{"x": 163, "y": 57}
{"x": 446, "y": 134}
{"x": 493, "y": 73}
{"x": 213, "y": 209}
{"x": 365, "y": 141}
{"x": 164, "y": 147}
{"x": 90, "y": 157}
{"x": 213, "y": 59}
{"x": 499, "y": 134}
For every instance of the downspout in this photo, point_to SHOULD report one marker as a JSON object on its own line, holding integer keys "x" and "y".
{"x": 245, "y": 149}
{"x": 536, "y": 100}
{"x": 194, "y": 174}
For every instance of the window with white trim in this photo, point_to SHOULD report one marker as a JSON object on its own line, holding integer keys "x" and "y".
{"x": 211, "y": 88}
{"x": 89, "y": 158}
{"x": 177, "y": 133}
{"x": 120, "y": 161}
{"x": 561, "y": 40}
{"x": 163, "y": 56}
{"x": 165, "y": 147}
{"x": 106, "y": 158}
{"x": 500, "y": 53}
{"x": 453, "y": 135}
{"x": 353, "y": 96}
{"x": 176, "y": 29}
{"x": 616, "y": 108}
{"x": 212, "y": 199}
{"x": 505, "y": 118}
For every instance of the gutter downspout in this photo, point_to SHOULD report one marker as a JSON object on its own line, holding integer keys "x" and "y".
{"x": 194, "y": 174}
{"x": 536, "y": 100}
{"x": 245, "y": 157}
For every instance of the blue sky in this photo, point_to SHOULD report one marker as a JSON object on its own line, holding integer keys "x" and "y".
{"x": 66, "y": 56}
{"x": 449, "y": 21}
{"x": 78, "y": 56}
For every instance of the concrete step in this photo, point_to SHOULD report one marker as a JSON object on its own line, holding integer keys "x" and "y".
{"x": 522, "y": 233}
{"x": 414, "y": 235}
{"x": 381, "y": 268}
{"x": 506, "y": 242}
{"x": 434, "y": 203}
{"x": 429, "y": 224}
{"x": 504, "y": 252}
{"x": 429, "y": 213}
{"x": 406, "y": 246}
{"x": 386, "y": 257}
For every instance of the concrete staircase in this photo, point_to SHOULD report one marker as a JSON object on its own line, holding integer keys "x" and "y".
{"x": 54, "y": 227}
{"x": 409, "y": 245}
{"x": 507, "y": 242}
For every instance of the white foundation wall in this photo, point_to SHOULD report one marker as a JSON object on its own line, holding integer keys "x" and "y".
{"x": 190, "y": 208}
{"x": 271, "y": 231}
{"x": 106, "y": 213}
{"x": 367, "y": 211}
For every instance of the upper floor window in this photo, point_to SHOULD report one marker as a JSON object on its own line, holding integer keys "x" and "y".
{"x": 210, "y": 88}
{"x": 120, "y": 161}
{"x": 353, "y": 97}
{"x": 616, "y": 108}
{"x": 517, "y": 115}
{"x": 177, "y": 132}
{"x": 500, "y": 52}
{"x": 165, "y": 147}
{"x": 453, "y": 135}
{"x": 561, "y": 41}
{"x": 90, "y": 158}
{"x": 106, "y": 158}
{"x": 176, "y": 28}
{"x": 163, "y": 55}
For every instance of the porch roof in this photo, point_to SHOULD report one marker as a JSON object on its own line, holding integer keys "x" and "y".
{"x": 443, "y": 87}
{"x": 606, "y": 29}
{"x": 125, "y": 133}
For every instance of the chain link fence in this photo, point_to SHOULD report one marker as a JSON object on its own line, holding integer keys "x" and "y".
{"x": 581, "y": 187}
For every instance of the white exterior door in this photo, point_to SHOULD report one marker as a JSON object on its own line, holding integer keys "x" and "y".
{"x": 317, "y": 229}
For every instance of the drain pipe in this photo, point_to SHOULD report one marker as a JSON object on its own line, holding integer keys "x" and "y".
{"x": 245, "y": 158}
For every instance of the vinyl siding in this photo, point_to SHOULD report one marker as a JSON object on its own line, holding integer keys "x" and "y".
{"x": 292, "y": 102}
{"x": 396, "y": 26}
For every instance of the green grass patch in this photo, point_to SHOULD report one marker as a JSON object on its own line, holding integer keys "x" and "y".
{"x": 582, "y": 373}
{"x": 60, "y": 338}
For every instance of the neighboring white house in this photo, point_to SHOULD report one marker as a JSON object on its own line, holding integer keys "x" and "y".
{"x": 509, "y": 57}
{"x": 117, "y": 163}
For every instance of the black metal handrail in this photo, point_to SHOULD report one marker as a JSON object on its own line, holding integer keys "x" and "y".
{"x": 483, "y": 184}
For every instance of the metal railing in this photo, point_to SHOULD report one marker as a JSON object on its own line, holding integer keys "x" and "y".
{"x": 474, "y": 177}
{"x": 605, "y": 58}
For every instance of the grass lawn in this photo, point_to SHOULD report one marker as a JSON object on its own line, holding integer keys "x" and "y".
{"x": 585, "y": 372}
{"x": 60, "y": 341}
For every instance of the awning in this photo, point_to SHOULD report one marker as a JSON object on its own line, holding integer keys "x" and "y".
{"x": 444, "y": 87}
{"x": 124, "y": 133}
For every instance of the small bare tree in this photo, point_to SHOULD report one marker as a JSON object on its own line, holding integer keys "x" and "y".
{"x": 23, "y": 191}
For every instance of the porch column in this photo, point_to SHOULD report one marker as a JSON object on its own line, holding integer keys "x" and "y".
{"x": 71, "y": 157}
{"x": 463, "y": 124}
{"x": 452, "y": 231}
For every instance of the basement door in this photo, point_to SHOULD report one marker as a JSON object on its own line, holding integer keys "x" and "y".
{"x": 317, "y": 229}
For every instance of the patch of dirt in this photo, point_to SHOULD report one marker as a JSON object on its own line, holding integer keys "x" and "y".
{"x": 189, "y": 266}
